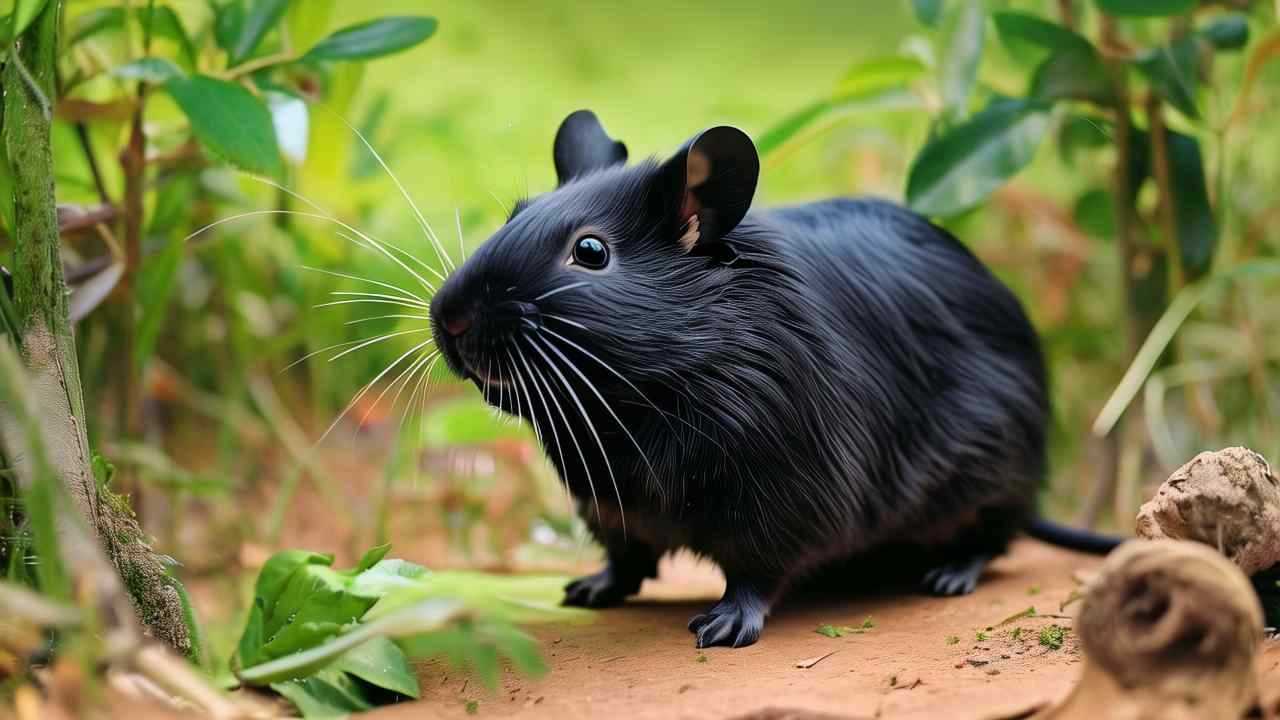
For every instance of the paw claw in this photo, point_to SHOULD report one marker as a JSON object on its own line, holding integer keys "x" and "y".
{"x": 595, "y": 591}
{"x": 957, "y": 578}
{"x": 731, "y": 622}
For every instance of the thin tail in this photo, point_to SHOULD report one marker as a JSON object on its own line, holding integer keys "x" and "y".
{"x": 1063, "y": 536}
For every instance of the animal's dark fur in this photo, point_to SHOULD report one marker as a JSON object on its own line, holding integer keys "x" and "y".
{"x": 823, "y": 382}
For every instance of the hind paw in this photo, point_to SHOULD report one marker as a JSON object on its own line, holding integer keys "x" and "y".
{"x": 736, "y": 621}
{"x": 955, "y": 578}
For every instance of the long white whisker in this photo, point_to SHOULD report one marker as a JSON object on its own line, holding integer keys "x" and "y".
{"x": 392, "y": 316}
{"x": 406, "y": 375}
{"x": 384, "y": 296}
{"x": 549, "y": 293}
{"x": 591, "y": 386}
{"x": 515, "y": 393}
{"x": 313, "y": 353}
{"x": 416, "y": 260}
{"x": 328, "y": 214}
{"x": 376, "y": 301}
{"x": 419, "y": 387}
{"x": 603, "y": 364}
{"x": 590, "y": 426}
{"x": 533, "y": 420}
{"x": 422, "y": 221}
{"x": 370, "y": 384}
{"x": 555, "y": 434}
{"x": 297, "y": 213}
{"x": 379, "y": 283}
{"x": 567, "y": 321}
{"x": 380, "y": 338}
{"x": 462, "y": 250}
{"x": 572, "y": 437}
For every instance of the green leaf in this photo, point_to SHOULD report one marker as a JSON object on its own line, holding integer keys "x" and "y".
{"x": 382, "y": 663}
{"x": 229, "y": 121}
{"x": 306, "y": 23}
{"x": 404, "y": 624}
{"x": 327, "y": 694}
{"x": 248, "y": 650}
{"x": 1080, "y": 133}
{"x": 1146, "y": 8}
{"x": 228, "y": 23}
{"x": 24, "y": 12}
{"x": 1073, "y": 73}
{"x": 876, "y": 84}
{"x": 1030, "y": 39}
{"x": 165, "y": 23}
{"x": 959, "y": 169}
{"x": 374, "y": 38}
{"x": 386, "y": 576}
{"x": 95, "y": 21}
{"x": 1173, "y": 72}
{"x": 372, "y": 557}
{"x": 154, "y": 70}
{"x": 880, "y": 74}
{"x": 1228, "y": 32}
{"x": 261, "y": 18}
{"x": 927, "y": 11}
{"x": 1197, "y": 226}
{"x": 1095, "y": 213}
{"x": 962, "y": 58}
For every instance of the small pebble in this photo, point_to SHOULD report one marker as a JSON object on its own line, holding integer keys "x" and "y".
{"x": 992, "y": 671}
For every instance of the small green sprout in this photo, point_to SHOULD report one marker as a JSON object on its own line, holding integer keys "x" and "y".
{"x": 473, "y": 707}
{"x": 980, "y": 636}
{"x": 953, "y": 639}
{"x": 1053, "y": 636}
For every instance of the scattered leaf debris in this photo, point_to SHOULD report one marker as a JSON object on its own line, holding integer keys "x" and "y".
{"x": 1030, "y": 612}
{"x": 953, "y": 639}
{"x": 1033, "y": 590}
{"x": 702, "y": 657}
{"x": 810, "y": 662}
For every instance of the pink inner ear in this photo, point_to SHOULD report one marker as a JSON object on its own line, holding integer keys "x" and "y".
{"x": 689, "y": 207}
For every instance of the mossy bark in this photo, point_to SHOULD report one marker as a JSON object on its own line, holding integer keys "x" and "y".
{"x": 47, "y": 342}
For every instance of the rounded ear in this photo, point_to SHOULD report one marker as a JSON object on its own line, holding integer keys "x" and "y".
{"x": 710, "y": 184}
{"x": 582, "y": 147}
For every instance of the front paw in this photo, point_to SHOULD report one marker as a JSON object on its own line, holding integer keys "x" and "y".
{"x": 599, "y": 590}
{"x": 735, "y": 622}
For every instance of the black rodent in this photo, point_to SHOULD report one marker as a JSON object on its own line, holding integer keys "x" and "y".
{"x": 783, "y": 391}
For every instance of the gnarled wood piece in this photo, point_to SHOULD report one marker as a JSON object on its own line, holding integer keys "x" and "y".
{"x": 1169, "y": 630}
{"x": 1228, "y": 499}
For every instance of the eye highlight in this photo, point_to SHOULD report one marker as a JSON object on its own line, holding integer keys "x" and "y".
{"x": 590, "y": 252}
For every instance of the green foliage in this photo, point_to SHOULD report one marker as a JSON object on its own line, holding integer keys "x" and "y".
{"x": 230, "y": 121}
{"x": 312, "y": 637}
{"x": 1146, "y": 8}
{"x": 374, "y": 39}
{"x": 1053, "y": 636}
{"x": 962, "y": 167}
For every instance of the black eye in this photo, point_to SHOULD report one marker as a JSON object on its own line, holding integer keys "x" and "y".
{"x": 590, "y": 252}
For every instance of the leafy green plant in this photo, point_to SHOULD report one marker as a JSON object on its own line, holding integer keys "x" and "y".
{"x": 337, "y": 641}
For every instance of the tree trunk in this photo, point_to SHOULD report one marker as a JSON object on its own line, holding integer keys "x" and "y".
{"x": 47, "y": 343}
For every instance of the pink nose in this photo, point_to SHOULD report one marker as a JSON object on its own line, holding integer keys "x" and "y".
{"x": 456, "y": 326}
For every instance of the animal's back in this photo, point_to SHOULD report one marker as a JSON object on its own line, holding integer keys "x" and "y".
{"x": 961, "y": 366}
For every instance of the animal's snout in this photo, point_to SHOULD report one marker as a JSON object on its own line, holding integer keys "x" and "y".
{"x": 459, "y": 323}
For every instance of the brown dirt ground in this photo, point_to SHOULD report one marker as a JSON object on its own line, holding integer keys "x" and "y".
{"x": 922, "y": 659}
